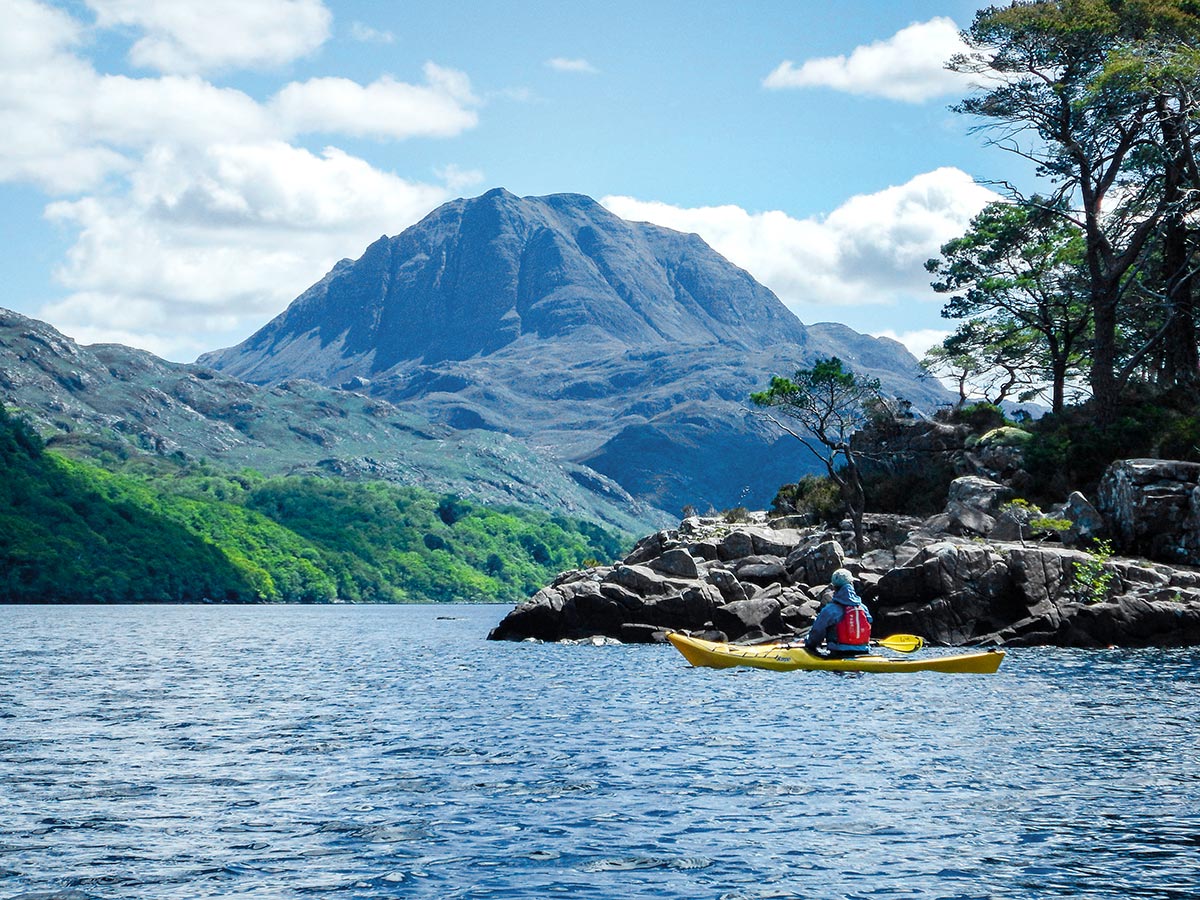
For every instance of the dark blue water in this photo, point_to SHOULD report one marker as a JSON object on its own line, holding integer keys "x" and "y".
{"x": 289, "y": 752}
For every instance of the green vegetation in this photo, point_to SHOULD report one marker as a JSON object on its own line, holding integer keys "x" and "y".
{"x": 1071, "y": 451}
{"x": 72, "y": 532}
{"x": 736, "y": 515}
{"x": 822, "y": 407}
{"x": 815, "y": 497}
{"x": 1101, "y": 96}
{"x": 1092, "y": 577}
{"x": 1015, "y": 279}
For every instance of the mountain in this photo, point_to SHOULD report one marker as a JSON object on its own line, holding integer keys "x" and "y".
{"x": 112, "y": 402}
{"x": 621, "y": 345}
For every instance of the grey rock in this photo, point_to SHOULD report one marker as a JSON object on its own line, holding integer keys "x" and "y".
{"x": 1152, "y": 508}
{"x": 750, "y": 617}
{"x": 636, "y": 633}
{"x": 968, "y": 520}
{"x": 677, "y": 562}
{"x": 761, "y": 570}
{"x": 815, "y": 565}
{"x": 727, "y": 584}
{"x": 982, "y": 494}
{"x": 650, "y": 547}
{"x": 736, "y": 545}
{"x": 952, "y": 591}
{"x": 641, "y": 580}
{"x": 774, "y": 542}
{"x": 1086, "y": 522}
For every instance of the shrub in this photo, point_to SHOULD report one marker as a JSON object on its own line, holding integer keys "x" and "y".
{"x": 1045, "y": 526}
{"x": 735, "y": 515}
{"x": 980, "y": 417}
{"x": 813, "y": 496}
{"x": 1092, "y": 578}
{"x": 1005, "y": 436}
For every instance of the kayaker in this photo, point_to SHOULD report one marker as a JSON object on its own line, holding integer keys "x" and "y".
{"x": 844, "y": 623}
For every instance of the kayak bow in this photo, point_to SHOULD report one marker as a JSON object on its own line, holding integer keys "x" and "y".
{"x": 787, "y": 658}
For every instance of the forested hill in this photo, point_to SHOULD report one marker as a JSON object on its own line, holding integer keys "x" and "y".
{"x": 71, "y": 532}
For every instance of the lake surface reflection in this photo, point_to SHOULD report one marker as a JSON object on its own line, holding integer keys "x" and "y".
{"x": 286, "y": 752}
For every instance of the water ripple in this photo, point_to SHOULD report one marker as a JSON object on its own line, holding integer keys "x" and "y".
{"x": 381, "y": 752}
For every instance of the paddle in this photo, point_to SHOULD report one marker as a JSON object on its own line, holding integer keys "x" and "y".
{"x": 901, "y": 643}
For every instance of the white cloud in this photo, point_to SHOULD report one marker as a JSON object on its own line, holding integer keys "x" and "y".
{"x": 69, "y": 127}
{"x": 458, "y": 179}
{"x": 192, "y": 36}
{"x": 578, "y": 66}
{"x": 870, "y": 250}
{"x": 32, "y": 32}
{"x": 139, "y": 112}
{"x": 42, "y": 84}
{"x": 917, "y": 341}
{"x": 208, "y": 245}
{"x": 365, "y": 34}
{"x": 909, "y": 66}
{"x": 384, "y": 108}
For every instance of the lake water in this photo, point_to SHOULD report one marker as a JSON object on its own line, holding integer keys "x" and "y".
{"x": 361, "y": 752}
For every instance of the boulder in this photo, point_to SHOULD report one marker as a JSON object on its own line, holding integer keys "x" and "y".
{"x": 814, "y": 565}
{"x": 950, "y": 593}
{"x": 750, "y": 618}
{"x": 634, "y": 633}
{"x": 774, "y": 542}
{"x": 966, "y": 520}
{"x": 1087, "y": 524}
{"x": 761, "y": 570}
{"x": 973, "y": 503}
{"x": 949, "y": 589}
{"x": 641, "y": 580}
{"x": 678, "y": 562}
{"x": 1152, "y": 508}
{"x": 727, "y": 585}
{"x": 689, "y": 609}
{"x": 651, "y": 547}
{"x": 978, "y": 493}
{"x": 735, "y": 545}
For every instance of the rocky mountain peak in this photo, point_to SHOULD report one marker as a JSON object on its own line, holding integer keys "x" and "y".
{"x": 478, "y": 275}
{"x": 622, "y": 345}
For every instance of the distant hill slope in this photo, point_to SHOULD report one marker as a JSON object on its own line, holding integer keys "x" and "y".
{"x": 623, "y": 345}
{"x": 110, "y": 399}
{"x": 71, "y": 532}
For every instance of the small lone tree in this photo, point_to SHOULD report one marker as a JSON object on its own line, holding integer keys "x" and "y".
{"x": 827, "y": 403}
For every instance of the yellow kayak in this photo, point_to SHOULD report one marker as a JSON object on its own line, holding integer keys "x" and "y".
{"x": 786, "y": 658}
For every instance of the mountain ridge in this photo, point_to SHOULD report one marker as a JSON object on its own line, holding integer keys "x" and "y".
{"x": 108, "y": 400}
{"x": 623, "y": 344}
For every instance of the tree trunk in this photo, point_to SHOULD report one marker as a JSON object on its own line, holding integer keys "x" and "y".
{"x": 1104, "y": 352}
{"x": 1180, "y": 360}
{"x": 857, "y": 501}
{"x": 1058, "y": 375}
{"x": 1179, "y": 353}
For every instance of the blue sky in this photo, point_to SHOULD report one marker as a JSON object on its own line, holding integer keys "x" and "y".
{"x": 180, "y": 171}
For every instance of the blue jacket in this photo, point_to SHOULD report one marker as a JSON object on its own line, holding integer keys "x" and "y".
{"x": 824, "y": 628}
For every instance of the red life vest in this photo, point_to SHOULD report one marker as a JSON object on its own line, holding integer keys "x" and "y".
{"x": 853, "y": 629}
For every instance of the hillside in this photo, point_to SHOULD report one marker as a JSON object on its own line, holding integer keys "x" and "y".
{"x": 72, "y": 532}
{"x": 621, "y": 345}
{"x": 109, "y": 402}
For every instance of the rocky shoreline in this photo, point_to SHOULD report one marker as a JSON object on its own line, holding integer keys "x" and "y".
{"x": 968, "y": 576}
